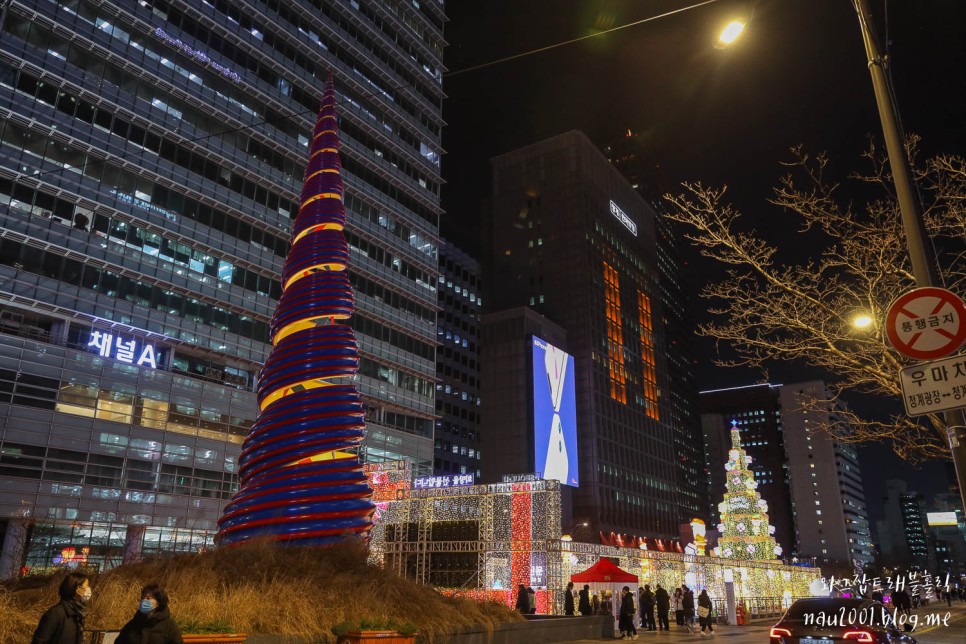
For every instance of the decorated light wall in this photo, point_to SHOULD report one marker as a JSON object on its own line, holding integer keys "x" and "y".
{"x": 745, "y": 531}
{"x": 299, "y": 484}
{"x": 520, "y": 542}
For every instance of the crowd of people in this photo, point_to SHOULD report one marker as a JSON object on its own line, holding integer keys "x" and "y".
{"x": 651, "y": 610}
{"x": 63, "y": 623}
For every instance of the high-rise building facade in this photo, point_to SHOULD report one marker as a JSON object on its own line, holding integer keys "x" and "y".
{"x": 810, "y": 479}
{"x": 628, "y": 155}
{"x": 151, "y": 160}
{"x": 457, "y": 363}
{"x": 828, "y": 496}
{"x": 903, "y": 536}
{"x": 573, "y": 240}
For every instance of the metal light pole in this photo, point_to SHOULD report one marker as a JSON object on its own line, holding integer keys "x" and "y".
{"x": 923, "y": 264}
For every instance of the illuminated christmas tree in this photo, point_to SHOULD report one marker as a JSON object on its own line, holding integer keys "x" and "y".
{"x": 744, "y": 528}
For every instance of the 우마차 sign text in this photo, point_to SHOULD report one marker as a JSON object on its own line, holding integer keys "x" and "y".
{"x": 934, "y": 386}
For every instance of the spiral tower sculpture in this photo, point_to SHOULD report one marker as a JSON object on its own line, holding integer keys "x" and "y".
{"x": 298, "y": 484}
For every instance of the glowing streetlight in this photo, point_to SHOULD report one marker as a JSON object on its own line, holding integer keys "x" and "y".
{"x": 730, "y": 33}
{"x": 861, "y": 321}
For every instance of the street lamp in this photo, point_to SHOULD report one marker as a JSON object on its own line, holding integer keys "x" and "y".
{"x": 730, "y": 33}
{"x": 923, "y": 264}
{"x": 861, "y": 321}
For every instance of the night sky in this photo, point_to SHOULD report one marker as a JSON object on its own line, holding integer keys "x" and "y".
{"x": 723, "y": 117}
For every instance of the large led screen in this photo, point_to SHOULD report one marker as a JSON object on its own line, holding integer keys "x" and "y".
{"x": 554, "y": 414}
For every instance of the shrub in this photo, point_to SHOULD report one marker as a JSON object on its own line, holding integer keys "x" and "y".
{"x": 260, "y": 589}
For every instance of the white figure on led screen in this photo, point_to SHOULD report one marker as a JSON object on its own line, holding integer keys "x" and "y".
{"x": 557, "y": 465}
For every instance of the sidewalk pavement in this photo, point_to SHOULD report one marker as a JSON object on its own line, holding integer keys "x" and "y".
{"x": 757, "y": 630}
{"x": 678, "y": 634}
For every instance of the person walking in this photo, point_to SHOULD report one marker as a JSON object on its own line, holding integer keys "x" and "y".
{"x": 687, "y": 601}
{"x": 901, "y": 602}
{"x": 663, "y": 602}
{"x": 626, "y": 618}
{"x": 569, "y": 600}
{"x": 523, "y": 600}
{"x": 531, "y": 601}
{"x": 63, "y": 623}
{"x": 583, "y": 602}
{"x": 152, "y": 623}
{"x": 704, "y": 612}
{"x": 647, "y": 608}
{"x": 678, "y": 609}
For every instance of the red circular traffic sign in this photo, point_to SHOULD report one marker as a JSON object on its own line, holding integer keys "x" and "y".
{"x": 927, "y": 323}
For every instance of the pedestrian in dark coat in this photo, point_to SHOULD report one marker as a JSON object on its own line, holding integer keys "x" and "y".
{"x": 704, "y": 612}
{"x": 583, "y": 601}
{"x": 626, "y": 618}
{"x": 687, "y": 602}
{"x": 663, "y": 602}
{"x": 523, "y": 600}
{"x": 63, "y": 623}
{"x": 647, "y": 608}
{"x": 569, "y": 599}
{"x": 532, "y": 600}
{"x": 152, "y": 623}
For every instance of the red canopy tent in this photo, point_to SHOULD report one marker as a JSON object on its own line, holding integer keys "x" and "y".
{"x": 606, "y": 577}
{"x": 604, "y": 571}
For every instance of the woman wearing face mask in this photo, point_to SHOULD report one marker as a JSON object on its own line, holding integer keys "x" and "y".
{"x": 64, "y": 622}
{"x": 152, "y": 624}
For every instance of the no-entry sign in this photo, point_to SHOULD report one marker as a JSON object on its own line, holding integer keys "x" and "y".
{"x": 927, "y": 323}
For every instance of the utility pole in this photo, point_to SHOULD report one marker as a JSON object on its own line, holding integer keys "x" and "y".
{"x": 923, "y": 263}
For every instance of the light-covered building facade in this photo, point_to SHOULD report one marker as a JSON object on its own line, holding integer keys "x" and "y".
{"x": 151, "y": 159}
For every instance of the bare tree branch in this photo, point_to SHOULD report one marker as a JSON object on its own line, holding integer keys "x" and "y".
{"x": 768, "y": 311}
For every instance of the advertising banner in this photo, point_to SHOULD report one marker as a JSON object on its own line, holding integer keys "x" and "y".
{"x": 554, "y": 414}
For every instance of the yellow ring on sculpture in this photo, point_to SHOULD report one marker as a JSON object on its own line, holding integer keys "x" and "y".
{"x": 301, "y": 325}
{"x": 327, "y": 266}
{"x": 278, "y": 394}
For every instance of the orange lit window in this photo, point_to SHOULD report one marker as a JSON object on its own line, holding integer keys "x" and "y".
{"x": 647, "y": 355}
{"x": 615, "y": 335}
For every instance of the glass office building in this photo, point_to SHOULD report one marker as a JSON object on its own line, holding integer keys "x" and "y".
{"x": 457, "y": 363}
{"x": 151, "y": 159}
{"x": 574, "y": 241}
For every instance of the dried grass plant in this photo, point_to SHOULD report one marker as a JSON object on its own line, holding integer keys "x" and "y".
{"x": 260, "y": 589}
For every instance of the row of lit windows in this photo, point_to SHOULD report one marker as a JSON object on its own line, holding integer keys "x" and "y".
{"x": 615, "y": 339}
{"x": 395, "y": 377}
{"x": 307, "y": 98}
{"x": 104, "y": 281}
{"x": 647, "y": 355}
{"x": 121, "y": 125}
{"x": 202, "y": 266}
{"x": 44, "y": 39}
{"x": 283, "y": 45}
{"x": 107, "y": 121}
{"x": 104, "y": 471}
{"x": 155, "y": 245}
{"x": 430, "y": 37}
{"x": 148, "y": 408}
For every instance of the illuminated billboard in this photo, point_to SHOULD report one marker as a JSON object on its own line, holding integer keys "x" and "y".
{"x": 941, "y": 518}
{"x": 554, "y": 414}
